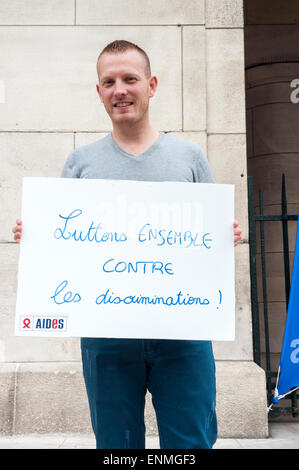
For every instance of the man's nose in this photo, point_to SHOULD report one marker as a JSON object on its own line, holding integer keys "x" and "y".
{"x": 120, "y": 88}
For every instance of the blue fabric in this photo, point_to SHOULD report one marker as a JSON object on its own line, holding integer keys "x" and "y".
{"x": 180, "y": 375}
{"x": 289, "y": 360}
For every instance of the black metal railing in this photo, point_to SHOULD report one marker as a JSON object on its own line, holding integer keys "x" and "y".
{"x": 254, "y": 219}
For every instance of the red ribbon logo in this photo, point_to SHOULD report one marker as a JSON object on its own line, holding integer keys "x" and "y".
{"x": 26, "y": 323}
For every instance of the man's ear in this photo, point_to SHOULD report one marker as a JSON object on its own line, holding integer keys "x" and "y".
{"x": 153, "y": 83}
{"x": 99, "y": 92}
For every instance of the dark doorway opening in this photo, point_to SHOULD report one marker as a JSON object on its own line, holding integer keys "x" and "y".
{"x": 271, "y": 32}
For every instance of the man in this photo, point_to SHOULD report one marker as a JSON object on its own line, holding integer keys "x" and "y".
{"x": 179, "y": 374}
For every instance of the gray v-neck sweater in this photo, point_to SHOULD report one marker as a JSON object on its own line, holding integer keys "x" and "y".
{"x": 168, "y": 159}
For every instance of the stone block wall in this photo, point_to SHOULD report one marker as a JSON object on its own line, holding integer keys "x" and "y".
{"x": 49, "y": 106}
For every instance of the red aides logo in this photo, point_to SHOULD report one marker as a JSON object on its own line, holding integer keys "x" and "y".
{"x": 26, "y": 323}
{"x": 42, "y": 323}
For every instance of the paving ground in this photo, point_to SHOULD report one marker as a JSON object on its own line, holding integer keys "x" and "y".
{"x": 282, "y": 436}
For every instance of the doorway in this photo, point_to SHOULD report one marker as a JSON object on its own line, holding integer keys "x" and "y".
{"x": 271, "y": 37}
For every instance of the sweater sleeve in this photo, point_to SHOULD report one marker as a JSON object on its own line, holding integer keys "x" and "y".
{"x": 202, "y": 169}
{"x": 71, "y": 168}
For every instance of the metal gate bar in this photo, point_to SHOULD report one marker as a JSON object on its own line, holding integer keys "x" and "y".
{"x": 265, "y": 297}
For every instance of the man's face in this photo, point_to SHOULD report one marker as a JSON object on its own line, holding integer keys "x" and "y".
{"x": 124, "y": 88}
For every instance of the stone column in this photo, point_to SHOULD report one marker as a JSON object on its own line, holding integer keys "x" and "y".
{"x": 241, "y": 383}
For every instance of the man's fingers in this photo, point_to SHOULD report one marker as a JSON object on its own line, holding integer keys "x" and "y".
{"x": 17, "y": 237}
{"x": 17, "y": 230}
{"x": 237, "y": 233}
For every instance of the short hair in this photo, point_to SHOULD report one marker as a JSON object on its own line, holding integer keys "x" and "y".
{"x": 120, "y": 46}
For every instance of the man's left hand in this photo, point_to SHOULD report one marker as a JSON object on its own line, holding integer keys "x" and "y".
{"x": 237, "y": 233}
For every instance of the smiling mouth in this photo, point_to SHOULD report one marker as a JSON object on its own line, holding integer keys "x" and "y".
{"x": 123, "y": 104}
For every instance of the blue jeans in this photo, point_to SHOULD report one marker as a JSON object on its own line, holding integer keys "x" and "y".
{"x": 179, "y": 374}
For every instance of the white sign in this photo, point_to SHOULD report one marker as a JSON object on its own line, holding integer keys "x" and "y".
{"x": 126, "y": 259}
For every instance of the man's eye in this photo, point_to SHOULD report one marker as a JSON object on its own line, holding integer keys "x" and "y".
{"x": 131, "y": 79}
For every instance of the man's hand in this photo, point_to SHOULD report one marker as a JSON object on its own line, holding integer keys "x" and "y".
{"x": 17, "y": 230}
{"x": 237, "y": 232}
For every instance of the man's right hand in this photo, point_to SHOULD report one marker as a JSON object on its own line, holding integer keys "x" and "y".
{"x": 17, "y": 230}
